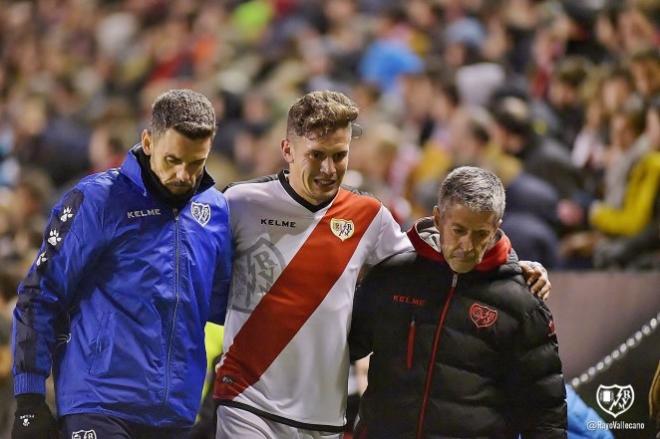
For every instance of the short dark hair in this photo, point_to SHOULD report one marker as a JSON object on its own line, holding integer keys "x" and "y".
{"x": 477, "y": 126}
{"x": 619, "y": 72}
{"x": 514, "y": 115}
{"x": 447, "y": 86}
{"x": 573, "y": 71}
{"x": 186, "y": 111}
{"x": 634, "y": 113}
{"x": 646, "y": 55}
{"x": 320, "y": 113}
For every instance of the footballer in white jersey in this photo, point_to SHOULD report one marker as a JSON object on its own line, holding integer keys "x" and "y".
{"x": 291, "y": 299}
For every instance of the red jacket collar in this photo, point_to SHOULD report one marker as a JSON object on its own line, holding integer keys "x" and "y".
{"x": 496, "y": 256}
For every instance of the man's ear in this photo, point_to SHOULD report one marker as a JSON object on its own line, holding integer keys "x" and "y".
{"x": 493, "y": 239}
{"x": 147, "y": 142}
{"x": 437, "y": 217}
{"x": 287, "y": 150}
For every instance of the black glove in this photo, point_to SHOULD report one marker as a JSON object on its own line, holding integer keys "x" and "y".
{"x": 200, "y": 432}
{"x": 33, "y": 419}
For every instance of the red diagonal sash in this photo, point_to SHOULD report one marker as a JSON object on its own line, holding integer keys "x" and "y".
{"x": 295, "y": 295}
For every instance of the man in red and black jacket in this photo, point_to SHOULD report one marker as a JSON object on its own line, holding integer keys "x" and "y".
{"x": 460, "y": 347}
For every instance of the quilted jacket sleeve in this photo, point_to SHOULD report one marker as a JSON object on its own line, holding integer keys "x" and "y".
{"x": 536, "y": 380}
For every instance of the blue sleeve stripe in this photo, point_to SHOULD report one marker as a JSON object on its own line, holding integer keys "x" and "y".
{"x": 34, "y": 314}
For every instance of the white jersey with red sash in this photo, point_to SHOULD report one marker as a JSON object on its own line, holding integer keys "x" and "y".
{"x": 291, "y": 299}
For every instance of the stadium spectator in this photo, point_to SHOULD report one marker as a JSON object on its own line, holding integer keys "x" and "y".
{"x": 633, "y": 227}
{"x": 85, "y": 67}
{"x": 645, "y": 69}
{"x": 542, "y": 157}
{"x": 564, "y": 113}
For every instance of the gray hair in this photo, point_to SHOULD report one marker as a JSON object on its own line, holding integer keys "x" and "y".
{"x": 475, "y": 188}
{"x": 188, "y": 112}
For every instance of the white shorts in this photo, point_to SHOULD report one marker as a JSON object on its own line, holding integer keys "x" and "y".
{"x": 234, "y": 423}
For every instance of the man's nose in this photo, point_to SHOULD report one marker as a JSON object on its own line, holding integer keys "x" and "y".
{"x": 183, "y": 175}
{"x": 328, "y": 166}
{"x": 466, "y": 243}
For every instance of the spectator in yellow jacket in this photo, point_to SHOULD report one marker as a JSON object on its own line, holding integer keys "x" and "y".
{"x": 641, "y": 189}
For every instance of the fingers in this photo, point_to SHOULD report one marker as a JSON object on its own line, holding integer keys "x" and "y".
{"x": 531, "y": 268}
{"x": 526, "y": 266}
{"x": 545, "y": 292}
{"x": 535, "y": 283}
{"x": 533, "y": 274}
{"x": 540, "y": 286}
{"x": 538, "y": 281}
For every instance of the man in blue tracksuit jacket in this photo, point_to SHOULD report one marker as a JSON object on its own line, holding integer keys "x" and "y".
{"x": 134, "y": 262}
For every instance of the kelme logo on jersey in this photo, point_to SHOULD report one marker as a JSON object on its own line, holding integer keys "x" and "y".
{"x": 201, "y": 213}
{"x": 615, "y": 399}
{"x": 142, "y": 213}
{"x": 341, "y": 228}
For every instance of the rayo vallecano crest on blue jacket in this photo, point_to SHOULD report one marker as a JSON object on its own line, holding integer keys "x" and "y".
{"x": 117, "y": 299}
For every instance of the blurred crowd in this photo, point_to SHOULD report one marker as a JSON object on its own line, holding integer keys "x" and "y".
{"x": 559, "y": 97}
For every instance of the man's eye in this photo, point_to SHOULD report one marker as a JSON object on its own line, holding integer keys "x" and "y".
{"x": 340, "y": 156}
{"x": 317, "y": 155}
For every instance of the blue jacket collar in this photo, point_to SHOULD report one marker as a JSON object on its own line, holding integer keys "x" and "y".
{"x": 131, "y": 169}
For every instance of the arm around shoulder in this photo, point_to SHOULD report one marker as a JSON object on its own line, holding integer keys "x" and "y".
{"x": 360, "y": 339}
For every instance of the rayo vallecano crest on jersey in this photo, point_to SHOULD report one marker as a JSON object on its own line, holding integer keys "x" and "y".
{"x": 255, "y": 274}
{"x": 341, "y": 228}
{"x": 615, "y": 399}
{"x": 201, "y": 212}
